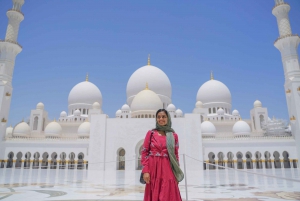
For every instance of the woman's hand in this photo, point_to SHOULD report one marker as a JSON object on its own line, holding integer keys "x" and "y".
{"x": 146, "y": 177}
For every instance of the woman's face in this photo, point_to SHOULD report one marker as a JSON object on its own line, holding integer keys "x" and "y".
{"x": 162, "y": 118}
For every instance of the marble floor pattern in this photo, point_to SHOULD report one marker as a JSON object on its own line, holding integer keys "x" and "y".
{"x": 82, "y": 185}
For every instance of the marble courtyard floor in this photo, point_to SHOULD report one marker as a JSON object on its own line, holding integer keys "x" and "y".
{"x": 80, "y": 185}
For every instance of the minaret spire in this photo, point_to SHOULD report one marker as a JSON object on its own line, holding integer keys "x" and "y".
{"x": 9, "y": 49}
{"x": 287, "y": 44}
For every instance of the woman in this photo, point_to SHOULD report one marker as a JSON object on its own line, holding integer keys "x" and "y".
{"x": 161, "y": 184}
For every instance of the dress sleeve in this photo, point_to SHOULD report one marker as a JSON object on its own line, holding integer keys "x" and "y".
{"x": 145, "y": 153}
{"x": 176, "y": 147}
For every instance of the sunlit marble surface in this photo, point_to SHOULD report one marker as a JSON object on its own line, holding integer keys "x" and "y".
{"x": 223, "y": 185}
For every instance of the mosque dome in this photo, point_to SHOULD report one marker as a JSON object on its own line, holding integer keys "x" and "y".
{"x": 85, "y": 93}
{"x": 21, "y": 130}
{"x": 9, "y": 130}
{"x": 84, "y": 129}
{"x": 53, "y": 129}
{"x": 96, "y": 105}
{"x": 214, "y": 91}
{"x": 146, "y": 100}
{"x": 220, "y": 111}
{"x": 171, "y": 108}
{"x": 241, "y": 128}
{"x": 63, "y": 114}
{"x": 119, "y": 112}
{"x": 40, "y": 106}
{"x": 77, "y": 113}
{"x": 235, "y": 113}
{"x": 199, "y": 104}
{"x": 179, "y": 113}
{"x": 158, "y": 82}
{"x": 208, "y": 128}
{"x": 125, "y": 107}
{"x": 257, "y": 104}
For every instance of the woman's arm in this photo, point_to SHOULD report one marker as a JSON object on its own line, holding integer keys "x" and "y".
{"x": 145, "y": 153}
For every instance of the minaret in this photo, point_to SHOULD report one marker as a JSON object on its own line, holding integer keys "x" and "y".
{"x": 9, "y": 49}
{"x": 287, "y": 44}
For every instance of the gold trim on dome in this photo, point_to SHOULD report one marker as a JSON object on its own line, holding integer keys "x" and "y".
{"x": 293, "y": 118}
{"x": 211, "y": 75}
{"x": 149, "y": 60}
{"x": 288, "y": 91}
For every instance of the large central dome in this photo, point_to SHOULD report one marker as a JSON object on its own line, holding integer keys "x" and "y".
{"x": 157, "y": 80}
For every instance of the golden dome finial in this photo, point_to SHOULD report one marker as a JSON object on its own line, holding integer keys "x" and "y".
{"x": 149, "y": 60}
{"x": 211, "y": 75}
{"x": 147, "y": 88}
{"x": 87, "y": 77}
{"x": 54, "y": 120}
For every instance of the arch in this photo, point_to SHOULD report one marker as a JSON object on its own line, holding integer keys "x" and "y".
{"x": 139, "y": 144}
{"x": 19, "y": 160}
{"x": 214, "y": 110}
{"x": 230, "y": 161}
{"x": 258, "y": 160}
{"x": 80, "y": 163}
{"x": 71, "y": 162}
{"x": 221, "y": 160}
{"x": 83, "y": 111}
{"x": 211, "y": 160}
{"x": 35, "y": 123}
{"x": 249, "y": 162}
{"x": 146, "y": 115}
{"x": 240, "y": 163}
{"x": 62, "y": 163}
{"x": 209, "y": 110}
{"x": 53, "y": 163}
{"x": 140, "y": 166}
{"x": 10, "y": 160}
{"x": 121, "y": 159}
{"x": 2, "y": 164}
{"x": 286, "y": 160}
{"x": 268, "y": 163}
{"x": 261, "y": 119}
{"x": 201, "y": 118}
{"x": 277, "y": 163}
{"x": 45, "y": 160}
{"x": 27, "y": 160}
{"x": 36, "y": 161}
{"x": 142, "y": 116}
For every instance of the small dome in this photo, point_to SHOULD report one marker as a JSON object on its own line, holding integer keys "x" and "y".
{"x": 77, "y": 113}
{"x": 53, "y": 129}
{"x": 40, "y": 106}
{"x": 125, "y": 107}
{"x": 146, "y": 100}
{"x": 119, "y": 112}
{"x": 220, "y": 111}
{"x": 199, "y": 104}
{"x": 214, "y": 91}
{"x": 171, "y": 108}
{"x": 84, "y": 129}
{"x": 96, "y": 105}
{"x": 241, "y": 128}
{"x": 235, "y": 113}
{"x": 208, "y": 128}
{"x": 63, "y": 114}
{"x": 257, "y": 104}
{"x": 21, "y": 130}
{"x": 84, "y": 93}
{"x": 9, "y": 130}
{"x": 179, "y": 113}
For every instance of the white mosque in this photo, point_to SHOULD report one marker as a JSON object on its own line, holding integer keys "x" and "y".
{"x": 84, "y": 137}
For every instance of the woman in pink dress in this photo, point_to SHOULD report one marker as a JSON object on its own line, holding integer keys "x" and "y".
{"x": 161, "y": 184}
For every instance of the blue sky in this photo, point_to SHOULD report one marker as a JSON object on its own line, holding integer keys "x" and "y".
{"x": 63, "y": 40}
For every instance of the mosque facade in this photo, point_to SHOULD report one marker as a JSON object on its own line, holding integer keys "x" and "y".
{"x": 84, "y": 137}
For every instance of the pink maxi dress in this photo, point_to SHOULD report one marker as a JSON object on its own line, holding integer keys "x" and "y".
{"x": 163, "y": 184}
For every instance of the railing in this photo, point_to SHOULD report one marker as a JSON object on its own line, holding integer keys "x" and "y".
{"x": 17, "y": 11}
{"x": 11, "y": 41}
{"x": 279, "y": 4}
{"x": 220, "y": 137}
{"x": 47, "y": 139}
{"x": 285, "y": 36}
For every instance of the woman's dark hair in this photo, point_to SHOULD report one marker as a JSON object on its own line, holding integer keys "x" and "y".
{"x": 161, "y": 110}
